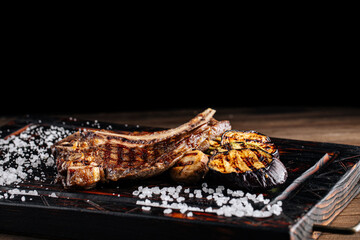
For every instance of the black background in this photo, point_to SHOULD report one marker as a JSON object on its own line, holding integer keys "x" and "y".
{"x": 166, "y": 69}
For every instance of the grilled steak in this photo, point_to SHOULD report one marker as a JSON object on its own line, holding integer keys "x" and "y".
{"x": 87, "y": 157}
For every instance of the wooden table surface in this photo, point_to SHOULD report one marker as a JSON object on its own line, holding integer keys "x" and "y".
{"x": 324, "y": 124}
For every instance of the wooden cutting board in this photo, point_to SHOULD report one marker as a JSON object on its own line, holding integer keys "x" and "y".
{"x": 102, "y": 213}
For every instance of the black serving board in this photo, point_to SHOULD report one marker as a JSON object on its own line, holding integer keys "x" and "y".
{"x": 101, "y": 213}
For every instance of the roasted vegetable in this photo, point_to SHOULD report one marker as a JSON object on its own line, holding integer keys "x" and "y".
{"x": 240, "y": 161}
{"x": 190, "y": 168}
{"x": 235, "y": 139}
{"x": 248, "y": 160}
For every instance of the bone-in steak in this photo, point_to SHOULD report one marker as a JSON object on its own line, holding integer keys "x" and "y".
{"x": 87, "y": 157}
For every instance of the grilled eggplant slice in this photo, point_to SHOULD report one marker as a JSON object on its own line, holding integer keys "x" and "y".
{"x": 248, "y": 160}
{"x": 235, "y": 139}
{"x": 190, "y": 168}
{"x": 249, "y": 168}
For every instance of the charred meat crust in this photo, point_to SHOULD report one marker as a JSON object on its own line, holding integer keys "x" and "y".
{"x": 85, "y": 158}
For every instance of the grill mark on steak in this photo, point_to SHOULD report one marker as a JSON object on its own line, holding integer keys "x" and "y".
{"x": 136, "y": 156}
{"x": 119, "y": 154}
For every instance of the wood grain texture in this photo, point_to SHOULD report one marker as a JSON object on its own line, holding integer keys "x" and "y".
{"x": 335, "y": 201}
{"x": 337, "y": 125}
{"x": 350, "y": 216}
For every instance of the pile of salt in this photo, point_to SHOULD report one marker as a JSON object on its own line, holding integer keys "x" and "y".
{"x": 28, "y": 153}
{"x": 228, "y": 202}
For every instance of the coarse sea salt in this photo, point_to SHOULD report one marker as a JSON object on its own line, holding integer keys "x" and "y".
{"x": 28, "y": 154}
{"x": 219, "y": 200}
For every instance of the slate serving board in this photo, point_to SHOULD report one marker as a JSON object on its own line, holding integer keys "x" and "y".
{"x": 329, "y": 185}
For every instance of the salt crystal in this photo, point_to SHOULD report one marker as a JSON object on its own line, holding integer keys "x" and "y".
{"x": 276, "y": 209}
{"x": 183, "y": 210}
{"x": 257, "y": 213}
{"x": 174, "y": 205}
{"x": 260, "y": 198}
{"x": 171, "y": 190}
{"x": 220, "y": 211}
{"x": 50, "y": 162}
{"x": 197, "y": 191}
{"x": 23, "y": 198}
{"x": 53, "y": 195}
{"x": 227, "y": 212}
{"x": 167, "y": 211}
{"x": 156, "y": 190}
{"x": 180, "y": 199}
{"x": 209, "y": 209}
{"x": 135, "y": 193}
{"x": 266, "y": 214}
{"x": 146, "y": 208}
